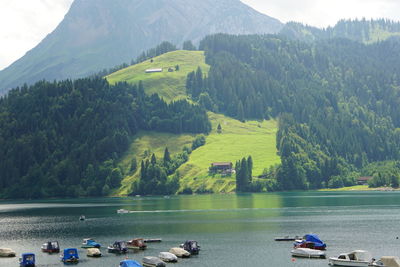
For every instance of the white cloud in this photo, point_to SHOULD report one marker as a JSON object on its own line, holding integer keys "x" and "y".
{"x": 323, "y": 13}
{"x": 24, "y": 23}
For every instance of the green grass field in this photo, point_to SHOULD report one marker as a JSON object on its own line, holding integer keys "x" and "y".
{"x": 169, "y": 85}
{"x": 237, "y": 140}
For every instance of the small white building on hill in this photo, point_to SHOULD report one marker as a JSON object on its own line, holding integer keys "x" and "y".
{"x": 154, "y": 70}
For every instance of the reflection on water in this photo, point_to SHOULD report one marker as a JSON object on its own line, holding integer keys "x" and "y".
{"x": 233, "y": 230}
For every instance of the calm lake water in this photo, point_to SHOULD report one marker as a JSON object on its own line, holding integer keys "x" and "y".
{"x": 233, "y": 230}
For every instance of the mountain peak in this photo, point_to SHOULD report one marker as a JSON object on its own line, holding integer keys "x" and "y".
{"x": 98, "y": 34}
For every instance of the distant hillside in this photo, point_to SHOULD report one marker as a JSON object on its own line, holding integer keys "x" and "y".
{"x": 169, "y": 85}
{"x": 364, "y": 31}
{"x": 98, "y": 34}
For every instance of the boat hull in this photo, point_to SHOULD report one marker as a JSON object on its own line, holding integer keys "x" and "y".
{"x": 308, "y": 253}
{"x": 339, "y": 262}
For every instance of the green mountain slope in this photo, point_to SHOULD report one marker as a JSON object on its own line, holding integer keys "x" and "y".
{"x": 237, "y": 139}
{"x": 169, "y": 85}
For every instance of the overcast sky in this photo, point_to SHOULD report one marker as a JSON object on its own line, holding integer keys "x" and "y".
{"x": 24, "y": 23}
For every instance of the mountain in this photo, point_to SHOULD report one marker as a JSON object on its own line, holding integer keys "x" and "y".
{"x": 364, "y": 31}
{"x": 98, "y": 34}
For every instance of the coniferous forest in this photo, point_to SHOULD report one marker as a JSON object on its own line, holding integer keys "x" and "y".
{"x": 337, "y": 100}
{"x": 64, "y": 138}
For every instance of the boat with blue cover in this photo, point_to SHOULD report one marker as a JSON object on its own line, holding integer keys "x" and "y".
{"x": 27, "y": 260}
{"x": 70, "y": 255}
{"x": 310, "y": 241}
{"x": 90, "y": 243}
{"x": 129, "y": 263}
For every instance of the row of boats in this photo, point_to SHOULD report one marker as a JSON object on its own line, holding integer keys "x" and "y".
{"x": 71, "y": 255}
{"x": 311, "y": 246}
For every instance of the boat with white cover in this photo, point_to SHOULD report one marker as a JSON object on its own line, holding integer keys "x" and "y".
{"x": 7, "y": 252}
{"x": 357, "y": 258}
{"x": 93, "y": 252}
{"x": 180, "y": 252}
{"x": 150, "y": 261}
{"x": 167, "y": 257}
{"x": 308, "y": 253}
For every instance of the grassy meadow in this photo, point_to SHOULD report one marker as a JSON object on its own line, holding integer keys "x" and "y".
{"x": 169, "y": 85}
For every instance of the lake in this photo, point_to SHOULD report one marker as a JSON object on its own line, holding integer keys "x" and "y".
{"x": 233, "y": 230}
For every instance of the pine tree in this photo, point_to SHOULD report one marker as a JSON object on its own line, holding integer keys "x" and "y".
{"x": 240, "y": 112}
{"x": 219, "y": 128}
{"x": 167, "y": 156}
{"x": 153, "y": 159}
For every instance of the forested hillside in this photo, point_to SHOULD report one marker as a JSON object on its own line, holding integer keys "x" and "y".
{"x": 337, "y": 100}
{"x": 65, "y": 138}
{"x": 364, "y": 31}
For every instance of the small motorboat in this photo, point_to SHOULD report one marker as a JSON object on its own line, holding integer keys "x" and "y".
{"x": 287, "y": 238}
{"x": 136, "y": 243}
{"x": 180, "y": 252}
{"x": 70, "y": 255}
{"x": 90, "y": 243}
{"x": 358, "y": 258}
{"x": 191, "y": 246}
{"x": 7, "y": 252}
{"x": 27, "y": 260}
{"x": 129, "y": 263}
{"x": 308, "y": 253}
{"x": 387, "y": 261}
{"x": 310, "y": 241}
{"x": 51, "y": 247}
{"x": 93, "y": 252}
{"x": 82, "y": 218}
{"x": 167, "y": 257}
{"x": 122, "y": 211}
{"x": 151, "y": 261}
{"x": 118, "y": 247}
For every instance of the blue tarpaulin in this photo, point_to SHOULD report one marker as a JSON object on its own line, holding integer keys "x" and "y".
{"x": 130, "y": 263}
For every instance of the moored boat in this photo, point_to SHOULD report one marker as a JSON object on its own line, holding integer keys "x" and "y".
{"x": 90, "y": 243}
{"x": 151, "y": 261}
{"x": 51, "y": 247}
{"x": 70, "y": 255}
{"x": 180, "y": 252}
{"x": 93, "y": 252}
{"x": 129, "y": 263}
{"x": 310, "y": 241}
{"x": 118, "y": 247}
{"x": 287, "y": 238}
{"x": 191, "y": 246}
{"x": 308, "y": 253}
{"x": 136, "y": 243}
{"x": 168, "y": 257}
{"x": 27, "y": 260}
{"x": 357, "y": 258}
{"x": 7, "y": 252}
